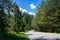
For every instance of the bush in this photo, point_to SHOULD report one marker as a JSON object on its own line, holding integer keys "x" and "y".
{"x": 13, "y": 36}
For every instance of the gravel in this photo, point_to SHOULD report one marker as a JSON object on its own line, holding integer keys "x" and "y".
{"x": 42, "y": 36}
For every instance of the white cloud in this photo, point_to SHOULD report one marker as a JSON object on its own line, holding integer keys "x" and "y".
{"x": 20, "y": 8}
{"x": 6, "y": 11}
{"x": 11, "y": 13}
{"x": 32, "y": 6}
{"x": 23, "y": 10}
{"x": 31, "y": 13}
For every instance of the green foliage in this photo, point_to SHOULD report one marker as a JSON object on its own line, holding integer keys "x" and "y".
{"x": 27, "y": 21}
{"x": 11, "y": 22}
{"x": 13, "y": 36}
{"x": 47, "y": 17}
{"x": 17, "y": 17}
{"x": 12, "y": 26}
{"x": 3, "y": 19}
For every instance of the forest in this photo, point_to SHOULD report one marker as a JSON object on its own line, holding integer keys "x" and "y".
{"x": 14, "y": 22}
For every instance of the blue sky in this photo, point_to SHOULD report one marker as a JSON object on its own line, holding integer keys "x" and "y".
{"x": 29, "y": 6}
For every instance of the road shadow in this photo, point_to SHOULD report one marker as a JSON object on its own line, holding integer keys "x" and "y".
{"x": 42, "y": 38}
{"x": 29, "y": 34}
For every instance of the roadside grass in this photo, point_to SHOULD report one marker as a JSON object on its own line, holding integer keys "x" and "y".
{"x": 13, "y": 36}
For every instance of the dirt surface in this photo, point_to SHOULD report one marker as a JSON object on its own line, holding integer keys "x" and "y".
{"x": 42, "y": 36}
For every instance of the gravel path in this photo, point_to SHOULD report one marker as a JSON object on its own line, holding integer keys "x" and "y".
{"x": 42, "y": 36}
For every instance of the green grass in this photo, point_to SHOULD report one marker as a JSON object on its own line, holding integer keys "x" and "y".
{"x": 13, "y": 36}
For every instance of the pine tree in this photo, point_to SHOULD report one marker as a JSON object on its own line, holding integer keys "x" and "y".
{"x": 3, "y": 19}
{"x": 54, "y": 11}
{"x": 5, "y": 15}
{"x": 40, "y": 18}
{"x": 27, "y": 21}
{"x": 18, "y": 17}
{"x": 47, "y": 16}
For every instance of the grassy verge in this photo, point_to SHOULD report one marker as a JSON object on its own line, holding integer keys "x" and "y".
{"x": 13, "y": 36}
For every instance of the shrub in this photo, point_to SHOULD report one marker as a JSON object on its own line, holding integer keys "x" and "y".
{"x": 13, "y": 36}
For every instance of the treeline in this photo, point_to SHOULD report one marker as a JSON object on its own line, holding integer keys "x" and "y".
{"x": 47, "y": 17}
{"x": 12, "y": 18}
{"x": 13, "y": 22}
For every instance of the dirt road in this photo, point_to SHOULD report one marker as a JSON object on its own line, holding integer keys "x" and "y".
{"x": 42, "y": 36}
